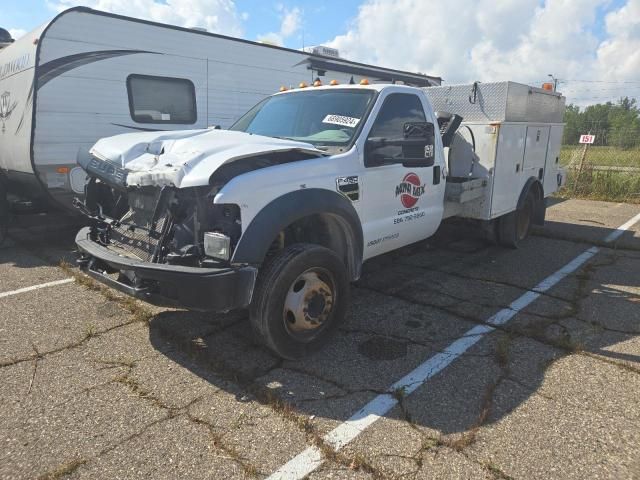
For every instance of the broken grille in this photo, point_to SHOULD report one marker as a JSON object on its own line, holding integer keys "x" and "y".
{"x": 138, "y": 234}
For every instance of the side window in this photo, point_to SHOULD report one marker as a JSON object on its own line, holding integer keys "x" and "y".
{"x": 397, "y": 109}
{"x": 161, "y": 99}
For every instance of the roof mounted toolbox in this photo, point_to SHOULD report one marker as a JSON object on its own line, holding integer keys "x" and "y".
{"x": 498, "y": 102}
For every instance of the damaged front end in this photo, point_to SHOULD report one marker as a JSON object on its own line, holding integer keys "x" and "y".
{"x": 155, "y": 230}
{"x": 166, "y": 245}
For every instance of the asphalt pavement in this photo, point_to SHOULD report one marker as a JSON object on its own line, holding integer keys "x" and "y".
{"x": 527, "y": 361}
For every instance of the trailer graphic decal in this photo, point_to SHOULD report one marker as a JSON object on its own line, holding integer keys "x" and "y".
{"x": 6, "y": 109}
{"x": 16, "y": 65}
{"x": 57, "y": 67}
{"x": 410, "y": 190}
{"x": 26, "y": 107}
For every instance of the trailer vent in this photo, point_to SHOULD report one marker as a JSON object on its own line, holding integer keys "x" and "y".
{"x": 324, "y": 51}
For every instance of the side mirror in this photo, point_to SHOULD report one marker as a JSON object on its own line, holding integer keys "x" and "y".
{"x": 416, "y": 147}
{"x": 423, "y": 153}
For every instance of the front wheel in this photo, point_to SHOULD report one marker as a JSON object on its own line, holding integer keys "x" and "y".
{"x": 300, "y": 299}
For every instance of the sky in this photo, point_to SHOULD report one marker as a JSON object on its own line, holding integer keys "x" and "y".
{"x": 591, "y": 46}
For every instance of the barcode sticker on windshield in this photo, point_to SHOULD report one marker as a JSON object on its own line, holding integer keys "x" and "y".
{"x": 341, "y": 120}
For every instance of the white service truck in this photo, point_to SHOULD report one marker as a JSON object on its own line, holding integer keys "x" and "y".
{"x": 279, "y": 212}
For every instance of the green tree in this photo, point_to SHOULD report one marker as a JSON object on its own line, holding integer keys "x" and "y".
{"x": 616, "y": 125}
{"x": 624, "y": 124}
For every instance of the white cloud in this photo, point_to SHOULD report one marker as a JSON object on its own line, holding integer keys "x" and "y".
{"x": 219, "y": 16}
{"x": 16, "y": 33}
{"x": 291, "y": 21}
{"x": 619, "y": 55}
{"x": 490, "y": 40}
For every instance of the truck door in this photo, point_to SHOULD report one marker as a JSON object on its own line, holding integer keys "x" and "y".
{"x": 400, "y": 204}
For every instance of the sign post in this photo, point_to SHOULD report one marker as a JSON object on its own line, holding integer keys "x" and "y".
{"x": 587, "y": 140}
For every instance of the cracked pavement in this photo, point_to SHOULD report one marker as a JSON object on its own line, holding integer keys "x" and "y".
{"x": 95, "y": 385}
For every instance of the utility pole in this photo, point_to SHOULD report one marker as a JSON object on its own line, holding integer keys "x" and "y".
{"x": 555, "y": 82}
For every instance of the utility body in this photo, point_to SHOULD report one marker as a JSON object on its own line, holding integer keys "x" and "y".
{"x": 279, "y": 212}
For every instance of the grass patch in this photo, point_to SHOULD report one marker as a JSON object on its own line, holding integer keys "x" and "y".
{"x": 606, "y": 156}
{"x": 611, "y": 186}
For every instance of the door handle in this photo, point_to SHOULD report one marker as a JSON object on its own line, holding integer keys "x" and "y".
{"x": 436, "y": 174}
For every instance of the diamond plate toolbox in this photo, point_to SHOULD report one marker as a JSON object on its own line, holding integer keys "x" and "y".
{"x": 498, "y": 102}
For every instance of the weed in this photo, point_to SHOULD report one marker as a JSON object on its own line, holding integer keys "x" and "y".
{"x": 63, "y": 470}
{"x": 400, "y": 393}
{"x": 497, "y": 471}
{"x": 248, "y": 468}
{"x": 140, "y": 312}
{"x": 503, "y": 347}
{"x": 90, "y": 331}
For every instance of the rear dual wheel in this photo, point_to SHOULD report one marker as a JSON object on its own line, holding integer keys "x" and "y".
{"x": 514, "y": 227}
{"x": 300, "y": 299}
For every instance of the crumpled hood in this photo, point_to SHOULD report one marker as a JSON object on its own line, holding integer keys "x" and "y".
{"x": 185, "y": 158}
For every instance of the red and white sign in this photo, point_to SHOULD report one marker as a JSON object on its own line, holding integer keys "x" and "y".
{"x": 587, "y": 138}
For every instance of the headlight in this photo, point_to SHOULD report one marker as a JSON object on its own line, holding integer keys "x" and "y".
{"x": 217, "y": 245}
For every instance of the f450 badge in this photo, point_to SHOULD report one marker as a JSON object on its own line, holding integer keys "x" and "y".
{"x": 410, "y": 190}
{"x": 349, "y": 187}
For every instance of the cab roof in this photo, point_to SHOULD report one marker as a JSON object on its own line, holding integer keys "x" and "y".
{"x": 373, "y": 86}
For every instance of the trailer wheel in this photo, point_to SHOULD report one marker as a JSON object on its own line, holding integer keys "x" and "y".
{"x": 300, "y": 299}
{"x": 514, "y": 227}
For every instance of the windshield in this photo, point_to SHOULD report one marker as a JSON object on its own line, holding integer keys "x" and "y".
{"x": 322, "y": 117}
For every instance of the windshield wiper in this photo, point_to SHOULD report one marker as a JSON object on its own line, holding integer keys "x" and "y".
{"x": 282, "y": 138}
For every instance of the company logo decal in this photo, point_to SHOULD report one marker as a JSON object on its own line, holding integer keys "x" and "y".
{"x": 15, "y": 66}
{"x": 6, "y": 108}
{"x": 410, "y": 190}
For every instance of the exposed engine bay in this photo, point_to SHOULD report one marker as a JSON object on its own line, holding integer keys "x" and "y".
{"x": 169, "y": 225}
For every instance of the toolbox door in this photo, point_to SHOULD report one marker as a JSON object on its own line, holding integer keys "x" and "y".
{"x": 553, "y": 160}
{"x": 535, "y": 151}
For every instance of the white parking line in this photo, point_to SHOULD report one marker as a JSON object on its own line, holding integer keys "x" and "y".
{"x": 613, "y": 236}
{"x": 310, "y": 459}
{"x": 36, "y": 287}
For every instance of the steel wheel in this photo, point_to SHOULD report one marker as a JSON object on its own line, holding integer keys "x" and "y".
{"x": 309, "y": 303}
{"x": 300, "y": 299}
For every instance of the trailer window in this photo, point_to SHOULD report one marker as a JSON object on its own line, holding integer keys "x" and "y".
{"x": 161, "y": 99}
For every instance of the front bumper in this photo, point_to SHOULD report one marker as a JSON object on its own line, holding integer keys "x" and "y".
{"x": 194, "y": 288}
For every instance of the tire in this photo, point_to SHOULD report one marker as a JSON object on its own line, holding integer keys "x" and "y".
{"x": 514, "y": 227}
{"x": 300, "y": 298}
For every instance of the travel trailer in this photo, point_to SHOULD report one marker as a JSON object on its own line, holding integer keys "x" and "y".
{"x": 88, "y": 74}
